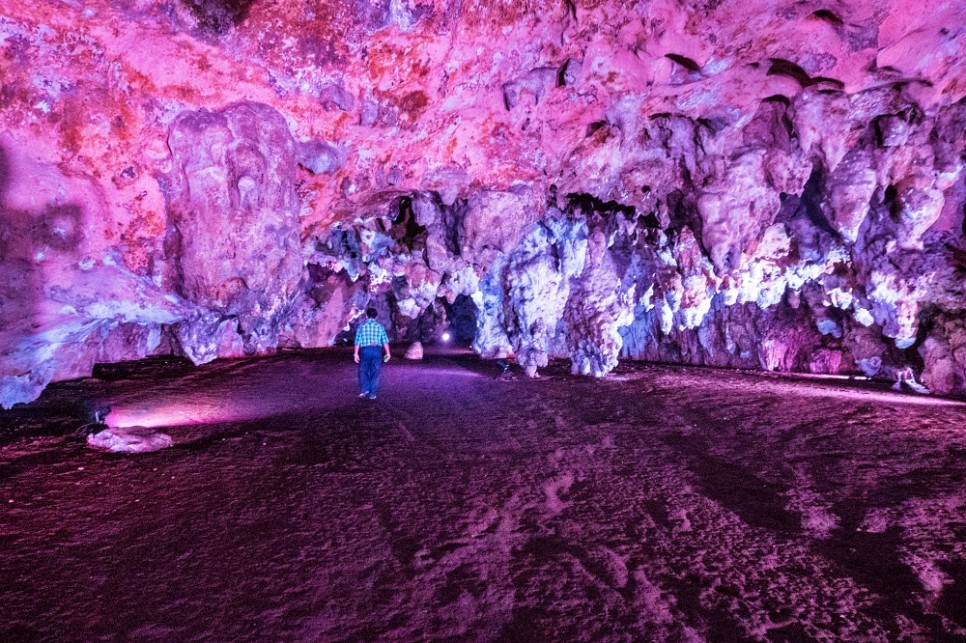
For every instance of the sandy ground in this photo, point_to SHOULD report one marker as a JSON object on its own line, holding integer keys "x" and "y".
{"x": 659, "y": 504}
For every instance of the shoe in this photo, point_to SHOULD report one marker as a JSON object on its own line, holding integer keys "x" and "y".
{"x": 363, "y": 394}
{"x": 372, "y": 397}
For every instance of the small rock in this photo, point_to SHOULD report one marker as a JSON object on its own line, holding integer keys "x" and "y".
{"x": 133, "y": 439}
{"x": 415, "y": 351}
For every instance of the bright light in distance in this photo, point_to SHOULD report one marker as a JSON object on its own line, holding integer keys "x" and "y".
{"x": 446, "y": 337}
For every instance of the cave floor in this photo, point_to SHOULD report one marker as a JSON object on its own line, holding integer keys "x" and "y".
{"x": 658, "y": 504}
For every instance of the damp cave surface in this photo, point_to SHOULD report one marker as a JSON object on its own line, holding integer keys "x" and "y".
{"x": 659, "y": 503}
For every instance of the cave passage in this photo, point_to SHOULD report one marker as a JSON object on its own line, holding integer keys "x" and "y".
{"x": 659, "y": 503}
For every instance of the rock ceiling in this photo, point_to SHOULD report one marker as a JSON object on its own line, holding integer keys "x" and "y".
{"x": 754, "y": 184}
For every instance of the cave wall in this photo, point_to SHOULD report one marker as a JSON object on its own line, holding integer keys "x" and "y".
{"x": 764, "y": 185}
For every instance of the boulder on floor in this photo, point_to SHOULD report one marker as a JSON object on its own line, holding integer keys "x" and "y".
{"x": 415, "y": 351}
{"x": 132, "y": 439}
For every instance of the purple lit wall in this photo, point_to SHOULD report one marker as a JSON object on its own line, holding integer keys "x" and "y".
{"x": 745, "y": 184}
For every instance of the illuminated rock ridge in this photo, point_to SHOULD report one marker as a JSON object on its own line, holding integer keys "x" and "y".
{"x": 738, "y": 183}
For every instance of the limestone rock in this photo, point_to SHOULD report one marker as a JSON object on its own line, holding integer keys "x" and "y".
{"x": 234, "y": 212}
{"x": 133, "y": 439}
{"x": 415, "y": 351}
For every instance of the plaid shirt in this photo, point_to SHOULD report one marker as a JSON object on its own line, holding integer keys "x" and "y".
{"x": 371, "y": 333}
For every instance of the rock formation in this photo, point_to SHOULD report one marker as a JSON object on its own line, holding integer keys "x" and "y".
{"x": 234, "y": 228}
{"x": 134, "y": 439}
{"x": 743, "y": 184}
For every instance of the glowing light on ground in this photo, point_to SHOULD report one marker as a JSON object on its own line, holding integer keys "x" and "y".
{"x": 169, "y": 409}
{"x": 170, "y": 413}
{"x": 880, "y": 397}
{"x": 889, "y": 398}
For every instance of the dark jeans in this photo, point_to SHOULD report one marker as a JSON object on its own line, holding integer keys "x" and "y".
{"x": 370, "y": 361}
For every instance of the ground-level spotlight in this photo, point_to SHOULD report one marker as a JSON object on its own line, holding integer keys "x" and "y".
{"x": 94, "y": 414}
{"x": 446, "y": 337}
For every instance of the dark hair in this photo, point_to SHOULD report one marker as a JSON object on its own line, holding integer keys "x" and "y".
{"x": 371, "y": 313}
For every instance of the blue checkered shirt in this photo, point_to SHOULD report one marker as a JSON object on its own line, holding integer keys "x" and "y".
{"x": 371, "y": 333}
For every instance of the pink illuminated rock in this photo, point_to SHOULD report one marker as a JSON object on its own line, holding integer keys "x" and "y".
{"x": 850, "y": 191}
{"x": 66, "y": 297}
{"x": 235, "y": 237}
{"x": 134, "y": 439}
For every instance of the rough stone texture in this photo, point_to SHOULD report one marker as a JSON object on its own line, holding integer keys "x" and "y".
{"x": 234, "y": 234}
{"x": 770, "y": 185}
{"x": 133, "y": 439}
{"x": 66, "y": 297}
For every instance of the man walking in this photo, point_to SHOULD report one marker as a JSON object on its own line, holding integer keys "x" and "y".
{"x": 371, "y": 341}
